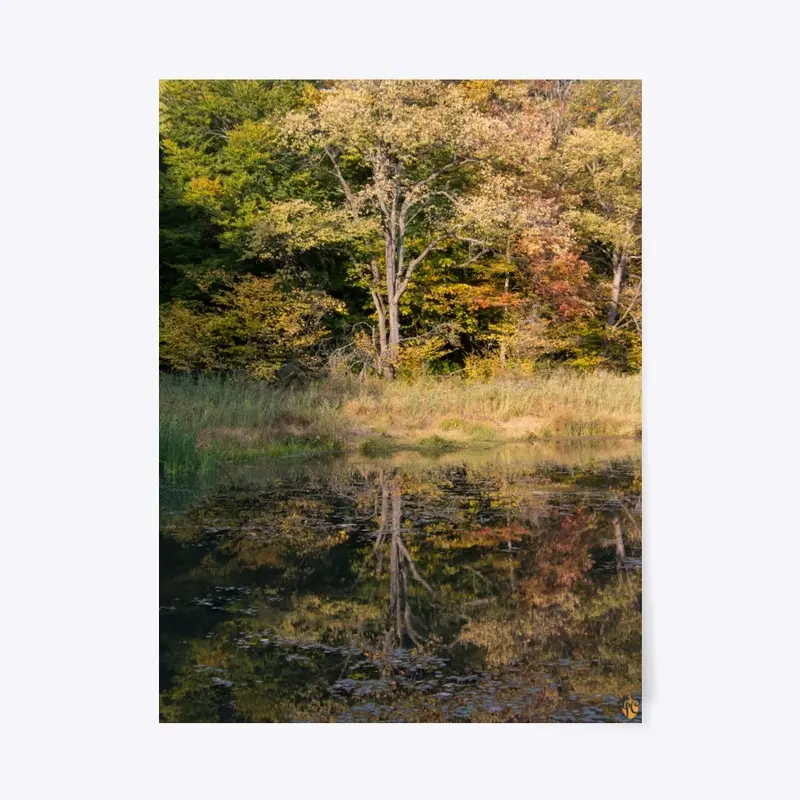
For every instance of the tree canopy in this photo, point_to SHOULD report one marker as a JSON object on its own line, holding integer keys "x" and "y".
{"x": 407, "y": 226}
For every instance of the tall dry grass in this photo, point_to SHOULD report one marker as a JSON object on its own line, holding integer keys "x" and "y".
{"x": 211, "y": 418}
{"x": 559, "y": 403}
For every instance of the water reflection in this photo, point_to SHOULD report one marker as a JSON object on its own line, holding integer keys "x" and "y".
{"x": 399, "y": 630}
{"x": 490, "y": 589}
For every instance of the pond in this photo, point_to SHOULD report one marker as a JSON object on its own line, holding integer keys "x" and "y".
{"x": 499, "y": 585}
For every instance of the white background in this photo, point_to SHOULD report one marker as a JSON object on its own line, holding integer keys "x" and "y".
{"x": 78, "y": 254}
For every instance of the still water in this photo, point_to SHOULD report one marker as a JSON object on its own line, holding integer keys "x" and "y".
{"x": 495, "y": 586}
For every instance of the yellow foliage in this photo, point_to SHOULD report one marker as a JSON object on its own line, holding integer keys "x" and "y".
{"x": 202, "y": 191}
{"x": 259, "y": 328}
{"x": 416, "y": 356}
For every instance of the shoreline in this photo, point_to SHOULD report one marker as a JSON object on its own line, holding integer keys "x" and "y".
{"x": 378, "y": 448}
{"x": 207, "y": 420}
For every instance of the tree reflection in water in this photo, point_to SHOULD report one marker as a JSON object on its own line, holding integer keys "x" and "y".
{"x": 426, "y": 591}
{"x": 400, "y": 629}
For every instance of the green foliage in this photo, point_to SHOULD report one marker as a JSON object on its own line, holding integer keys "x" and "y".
{"x": 529, "y": 192}
{"x": 258, "y": 328}
{"x": 377, "y": 446}
{"x": 177, "y": 447}
{"x": 223, "y": 167}
{"x": 432, "y": 445}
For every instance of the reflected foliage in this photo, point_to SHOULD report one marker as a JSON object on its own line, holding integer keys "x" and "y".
{"x": 390, "y": 590}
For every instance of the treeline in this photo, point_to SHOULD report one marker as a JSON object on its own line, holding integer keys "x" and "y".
{"x": 399, "y": 227}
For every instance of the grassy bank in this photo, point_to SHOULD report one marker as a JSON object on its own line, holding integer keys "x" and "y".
{"x": 211, "y": 419}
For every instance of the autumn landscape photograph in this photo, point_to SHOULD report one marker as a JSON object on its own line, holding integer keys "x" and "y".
{"x": 400, "y": 353}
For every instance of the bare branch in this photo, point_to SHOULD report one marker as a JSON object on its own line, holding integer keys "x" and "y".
{"x": 378, "y": 300}
{"x": 413, "y": 196}
{"x": 630, "y": 308}
{"x": 404, "y": 551}
{"x": 380, "y": 176}
{"x": 348, "y": 192}
{"x": 412, "y": 265}
{"x": 472, "y": 259}
{"x": 373, "y": 265}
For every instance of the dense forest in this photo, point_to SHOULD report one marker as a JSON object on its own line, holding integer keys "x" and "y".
{"x": 399, "y": 228}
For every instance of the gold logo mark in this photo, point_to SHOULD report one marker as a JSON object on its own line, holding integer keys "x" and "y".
{"x": 630, "y": 708}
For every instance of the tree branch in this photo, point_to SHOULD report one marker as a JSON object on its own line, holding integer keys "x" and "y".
{"x": 411, "y": 195}
{"x": 348, "y": 192}
{"x": 378, "y": 300}
{"x": 412, "y": 265}
{"x": 629, "y": 309}
{"x": 410, "y": 561}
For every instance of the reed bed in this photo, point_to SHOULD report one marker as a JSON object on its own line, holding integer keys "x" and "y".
{"x": 206, "y": 419}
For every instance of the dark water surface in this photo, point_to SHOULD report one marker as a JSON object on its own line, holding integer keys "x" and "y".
{"x": 495, "y": 586}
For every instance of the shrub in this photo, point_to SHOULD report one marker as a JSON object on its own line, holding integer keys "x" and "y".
{"x": 258, "y": 328}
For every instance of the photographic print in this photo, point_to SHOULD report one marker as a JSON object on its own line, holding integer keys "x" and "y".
{"x": 400, "y": 401}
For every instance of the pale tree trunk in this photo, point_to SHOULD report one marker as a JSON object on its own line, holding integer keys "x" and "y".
{"x": 504, "y": 342}
{"x": 384, "y": 347}
{"x": 503, "y": 349}
{"x": 383, "y": 341}
{"x": 619, "y": 542}
{"x": 394, "y": 336}
{"x": 399, "y": 624}
{"x": 397, "y": 206}
{"x": 559, "y": 123}
{"x": 618, "y": 262}
{"x": 384, "y": 523}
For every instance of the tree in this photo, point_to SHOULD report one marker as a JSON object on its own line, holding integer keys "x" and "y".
{"x": 543, "y": 276}
{"x": 221, "y": 165}
{"x": 258, "y": 327}
{"x": 488, "y": 224}
{"x": 604, "y": 197}
{"x": 403, "y": 154}
{"x": 599, "y": 175}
